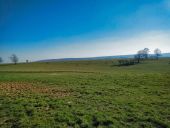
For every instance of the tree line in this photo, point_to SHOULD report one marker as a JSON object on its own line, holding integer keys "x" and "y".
{"x": 144, "y": 54}
{"x": 141, "y": 55}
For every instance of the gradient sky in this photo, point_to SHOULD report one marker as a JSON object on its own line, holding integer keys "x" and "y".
{"x": 44, "y": 29}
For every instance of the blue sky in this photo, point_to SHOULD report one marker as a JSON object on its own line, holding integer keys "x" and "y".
{"x": 44, "y": 29}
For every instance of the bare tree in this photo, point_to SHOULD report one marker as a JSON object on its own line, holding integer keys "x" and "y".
{"x": 1, "y": 60}
{"x": 139, "y": 55}
{"x": 146, "y": 52}
{"x": 142, "y": 54}
{"x": 14, "y": 58}
{"x": 157, "y": 52}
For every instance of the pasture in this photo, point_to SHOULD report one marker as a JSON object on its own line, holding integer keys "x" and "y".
{"x": 85, "y": 94}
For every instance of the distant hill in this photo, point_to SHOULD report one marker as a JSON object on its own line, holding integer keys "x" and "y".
{"x": 164, "y": 55}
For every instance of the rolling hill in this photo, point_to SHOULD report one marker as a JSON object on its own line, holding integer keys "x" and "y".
{"x": 164, "y": 55}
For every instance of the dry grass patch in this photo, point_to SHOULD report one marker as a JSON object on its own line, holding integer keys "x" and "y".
{"x": 23, "y": 88}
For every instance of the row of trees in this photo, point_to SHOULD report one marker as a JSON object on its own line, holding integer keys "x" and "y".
{"x": 144, "y": 54}
{"x": 14, "y": 59}
{"x": 141, "y": 55}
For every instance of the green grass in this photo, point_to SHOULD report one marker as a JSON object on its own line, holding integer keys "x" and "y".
{"x": 94, "y": 94}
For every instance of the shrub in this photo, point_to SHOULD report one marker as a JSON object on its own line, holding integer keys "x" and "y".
{"x": 127, "y": 62}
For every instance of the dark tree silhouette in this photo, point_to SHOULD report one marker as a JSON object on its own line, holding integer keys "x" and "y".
{"x": 14, "y": 58}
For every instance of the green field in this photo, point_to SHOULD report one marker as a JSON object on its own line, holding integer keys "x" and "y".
{"x": 85, "y": 94}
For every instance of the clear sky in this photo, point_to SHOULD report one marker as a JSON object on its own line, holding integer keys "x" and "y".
{"x": 44, "y": 29}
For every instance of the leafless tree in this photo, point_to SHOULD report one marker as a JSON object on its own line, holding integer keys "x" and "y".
{"x": 14, "y": 58}
{"x": 139, "y": 55}
{"x": 142, "y": 54}
{"x": 146, "y": 52}
{"x": 157, "y": 52}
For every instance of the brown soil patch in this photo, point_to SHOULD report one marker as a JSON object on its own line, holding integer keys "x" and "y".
{"x": 22, "y": 88}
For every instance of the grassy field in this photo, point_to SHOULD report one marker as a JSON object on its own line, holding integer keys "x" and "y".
{"x": 85, "y": 94}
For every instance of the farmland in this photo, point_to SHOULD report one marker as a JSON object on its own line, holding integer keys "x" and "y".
{"x": 85, "y": 94}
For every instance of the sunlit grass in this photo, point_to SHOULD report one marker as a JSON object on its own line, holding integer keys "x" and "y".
{"x": 97, "y": 94}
